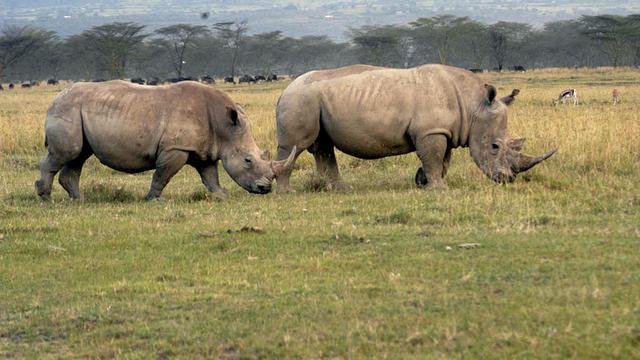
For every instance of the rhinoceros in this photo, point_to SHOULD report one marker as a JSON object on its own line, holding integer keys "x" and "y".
{"x": 372, "y": 112}
{"x": 134, "y": 128}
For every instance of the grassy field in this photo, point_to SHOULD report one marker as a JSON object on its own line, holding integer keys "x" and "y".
{"x": 371, "y": 272}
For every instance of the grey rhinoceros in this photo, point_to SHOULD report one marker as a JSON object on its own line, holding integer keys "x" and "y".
{"x": 372, "y": 112}
{"x": 134, "y": 128}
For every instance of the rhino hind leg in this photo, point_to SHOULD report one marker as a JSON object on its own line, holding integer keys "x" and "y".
{"x": 434, "y": 154}
{"x": 167, "y": 165}
{"x": 326, "y": 163}
{"x": 49, "y": 167}
{"x": 70, "y": 175}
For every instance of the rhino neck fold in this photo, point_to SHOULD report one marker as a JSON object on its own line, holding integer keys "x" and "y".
{"x": 460, "y": 135}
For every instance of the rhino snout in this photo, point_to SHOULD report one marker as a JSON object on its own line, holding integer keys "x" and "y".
{"x": 503, "y": 178}
{"x": 261, "y": 186}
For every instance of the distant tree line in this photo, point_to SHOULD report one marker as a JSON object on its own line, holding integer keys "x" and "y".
{"x": 125, "y": 49}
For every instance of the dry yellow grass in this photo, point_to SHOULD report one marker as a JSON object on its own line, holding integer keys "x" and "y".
{"x": 594, "y": 137}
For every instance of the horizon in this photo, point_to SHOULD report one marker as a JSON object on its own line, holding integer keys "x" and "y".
{"x": 293, "y": 18}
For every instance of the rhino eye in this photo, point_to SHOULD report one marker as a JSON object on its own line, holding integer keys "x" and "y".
{"x": 494, "y": 148}
{"x": 247, "y": 160}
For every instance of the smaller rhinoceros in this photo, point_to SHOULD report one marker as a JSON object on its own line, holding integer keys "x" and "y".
{"x": 371, "y": 112}
{"x": 135, "y": 128}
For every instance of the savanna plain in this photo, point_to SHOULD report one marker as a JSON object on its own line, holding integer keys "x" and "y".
{"x": 374, "y": 271}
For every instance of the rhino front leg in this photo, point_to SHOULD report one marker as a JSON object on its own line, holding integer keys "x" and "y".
{"x": 434, "y": 154}
{"x": 209, "y": 175}
{"x": 282, "y": 179}
{"x": 167, "y": 165}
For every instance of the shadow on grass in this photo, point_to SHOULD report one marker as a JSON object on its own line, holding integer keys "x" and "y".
{"x": 100, "y": 193}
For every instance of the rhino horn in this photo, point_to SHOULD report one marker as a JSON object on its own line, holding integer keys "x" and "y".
{"x": 525, "y": 162}
{"x": 281, "y": 166}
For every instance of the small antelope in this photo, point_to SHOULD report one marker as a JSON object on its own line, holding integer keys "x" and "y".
{"x": 616, "y": 96}
{"x": 566, "y": 95}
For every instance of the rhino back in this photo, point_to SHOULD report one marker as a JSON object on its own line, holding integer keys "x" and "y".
{"x": 298, "y": 109}
{"x": 126, "y": 124}
{"x": 376, "y": 113}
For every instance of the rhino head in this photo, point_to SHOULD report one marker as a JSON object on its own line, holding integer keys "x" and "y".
{"x": 247, "y": 165}
{"x": 491, "y": 148}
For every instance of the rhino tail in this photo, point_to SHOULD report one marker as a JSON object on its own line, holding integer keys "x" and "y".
{"x": 46, "y": 142}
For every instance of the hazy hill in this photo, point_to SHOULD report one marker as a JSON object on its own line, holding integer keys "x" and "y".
{"x": 294, "y": 17}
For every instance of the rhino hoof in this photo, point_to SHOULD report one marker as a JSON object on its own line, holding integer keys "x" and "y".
{"x": 41, "y": 191}
{"x": 421, "y": 178}
{"x": 218, "y": 195}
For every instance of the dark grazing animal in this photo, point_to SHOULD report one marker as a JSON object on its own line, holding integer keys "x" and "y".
{"x": 25, "y": 85}
{"x": 272, "y": 77}
{"x": 52, "y": 82}
{"x": 260, "y": 78}
{"x": 208, "y": 79}
{"x": 139, "y": 81}
{"x": 229, "y": 80}
{"x": 519, "y": 68}
{"x": 473, "y": 70}
{"x": 247, "y": 79}
{"x": 153, "y": 81}
{"x": 11, "y": 86}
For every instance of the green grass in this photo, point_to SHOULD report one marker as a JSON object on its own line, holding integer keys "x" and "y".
{"x": 371, "y": 272}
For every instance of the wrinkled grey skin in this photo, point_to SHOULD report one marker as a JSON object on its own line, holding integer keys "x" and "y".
{"x": 372, "y": 112}
{"x": 135, "y": 128}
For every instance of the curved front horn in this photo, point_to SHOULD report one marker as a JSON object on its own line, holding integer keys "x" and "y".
{"x": 525, "y": 162}
{"x": 281, "y": 166}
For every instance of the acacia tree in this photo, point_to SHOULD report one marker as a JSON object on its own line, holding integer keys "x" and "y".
{"x": 181, "y": 37}
{"x": 233, "y": 33}
{"x": 632, "y": 34}
{"x": 609, "y": 32}
{"x": 266, "y": 50}
{"x": 16, "y": 42}
{"x": 113, "y": 44}
{"x": 312, "y": 52}
{"x": 441, "y": 32}
{"x": 382, "y": 45}
{"x": 503, "y": 38}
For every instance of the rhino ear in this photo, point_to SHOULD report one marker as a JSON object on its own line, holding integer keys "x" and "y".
{"x": 490, "y": 93}
{"x": 232, "y": 115}
{"x": 516, "y": 144}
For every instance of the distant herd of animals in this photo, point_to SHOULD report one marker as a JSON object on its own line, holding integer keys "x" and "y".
{"x": 154, "y": 81}
{"x": 567, "y": 95}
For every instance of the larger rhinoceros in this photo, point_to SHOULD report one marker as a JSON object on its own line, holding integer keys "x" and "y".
{"x": 372, "y": 112}
{"x": 134, "y": 128}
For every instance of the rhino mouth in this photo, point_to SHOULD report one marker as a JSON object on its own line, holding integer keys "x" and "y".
{"x": 503, "y": 178}
{"x": 261, "y": 186}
